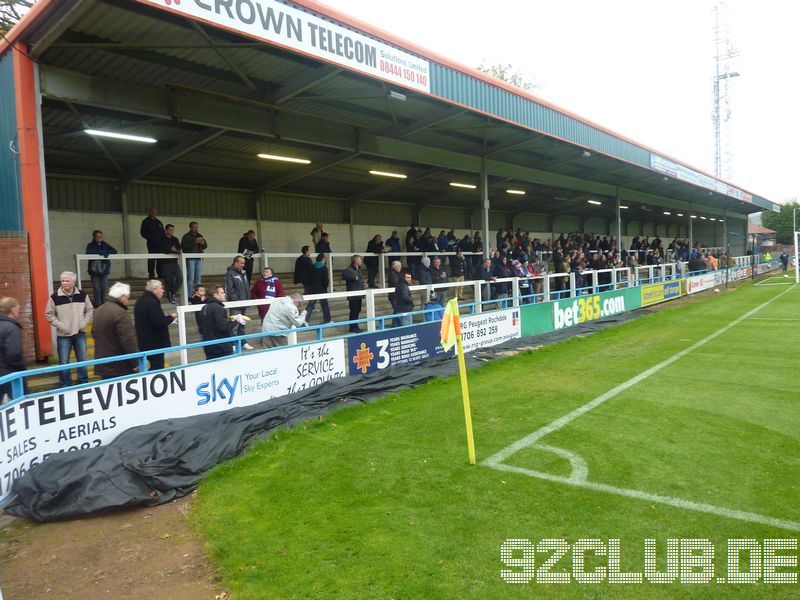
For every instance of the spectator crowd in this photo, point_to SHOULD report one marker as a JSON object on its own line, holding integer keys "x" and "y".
{"x": 419, "y": 257}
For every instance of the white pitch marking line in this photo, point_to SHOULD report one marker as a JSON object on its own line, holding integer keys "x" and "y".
{"x": 775, "y": 318}
{"x": 766, "y": 282}
{"x": 579, "y": 475}
{"x": 729, "y": 513}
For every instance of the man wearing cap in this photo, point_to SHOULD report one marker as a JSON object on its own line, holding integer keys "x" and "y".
{"x": 323, "y": 246}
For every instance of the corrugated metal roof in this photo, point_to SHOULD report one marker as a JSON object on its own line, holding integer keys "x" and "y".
{"x": 479, "y": 95}
{"x": 553, "y": 141}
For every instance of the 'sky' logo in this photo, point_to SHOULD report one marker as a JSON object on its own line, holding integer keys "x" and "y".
{"x": 211, "y": 391}
{"x": 363, "y": 358}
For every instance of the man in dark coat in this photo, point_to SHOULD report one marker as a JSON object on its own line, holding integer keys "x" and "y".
{"x": 114, "y": 334}
{"x": 323, "y": 246}
{"x": 393, "y": 245}
{"x": 12, "y": 358}
{"x": 152, "y": 230}
{"x": 170, "y": 270}
{"x": 320, "y": 279}
{"x": 215, "y": 323}
{"x": 403, "y": 302}
{"x": 304, "y": 269}
{"x": 439, "y": 275}
{"x": 375, "y": 246}
{"x": 237, "y": 287}
{"x": 152, "y": 325}
{"x": 248, "y": 247}
{"x": 354, "y": 283}
{"x": 458, "y": 269}
{"x": 395, "y": 275}
{"x": 423, "y": 276}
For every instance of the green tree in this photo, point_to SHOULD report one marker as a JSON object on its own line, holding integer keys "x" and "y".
{"x": 782, "y": 221}
{"x": 11, "y": 11}
{"x": 512, "y": 75}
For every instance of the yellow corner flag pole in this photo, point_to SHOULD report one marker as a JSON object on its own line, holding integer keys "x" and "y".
{"x": 451, "y": 335}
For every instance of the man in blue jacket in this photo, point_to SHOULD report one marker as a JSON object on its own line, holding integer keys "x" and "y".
{"x": 99, "y": 270}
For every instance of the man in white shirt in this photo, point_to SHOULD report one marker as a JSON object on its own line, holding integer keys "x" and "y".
{"x": 283, "y": 314}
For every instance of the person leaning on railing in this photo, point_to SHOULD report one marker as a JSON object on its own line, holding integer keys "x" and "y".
{"x": 12, "y": 358}
{"x": 283, "y": 315}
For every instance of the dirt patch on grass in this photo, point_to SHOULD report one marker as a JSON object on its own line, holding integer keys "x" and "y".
{"x": 135, "y": 554}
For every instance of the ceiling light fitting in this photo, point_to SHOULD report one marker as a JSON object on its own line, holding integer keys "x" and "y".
{"x": 121, "y": 136}
{"x": 289, "y": 159}
{"x": 387, "y": 174}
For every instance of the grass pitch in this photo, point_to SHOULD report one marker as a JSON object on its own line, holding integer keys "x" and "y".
{"x": 378, "y": 501}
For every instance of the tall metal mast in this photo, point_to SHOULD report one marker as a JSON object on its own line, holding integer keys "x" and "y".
{"x": 724, "y": 53}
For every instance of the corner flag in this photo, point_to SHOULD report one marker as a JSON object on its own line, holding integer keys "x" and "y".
{"x": 451, "y": 336}
{"x": 451, "y": 326}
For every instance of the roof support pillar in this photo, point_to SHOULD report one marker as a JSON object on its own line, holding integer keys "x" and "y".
{"x": 691, "y": 233}
{"x": 619, "y": 227}
{"x": 352, "y": 214}
{"x": 725, "y": 232}
{"x": 30, "y": 149}
{"x": 259, "y": 230}
{"x": 485, "y": 207}
{"x": 126, "y": 234}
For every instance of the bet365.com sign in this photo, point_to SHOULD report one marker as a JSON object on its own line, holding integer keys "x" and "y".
{"x": 575, "y": 311}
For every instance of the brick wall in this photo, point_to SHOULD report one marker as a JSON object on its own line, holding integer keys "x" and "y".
{"x": 15, "y": 281}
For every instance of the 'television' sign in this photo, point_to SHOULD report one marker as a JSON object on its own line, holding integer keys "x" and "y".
{"x": 290, "y": 27}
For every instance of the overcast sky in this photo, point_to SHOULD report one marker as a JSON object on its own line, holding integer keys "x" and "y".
{"x": 641, "y": 68}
